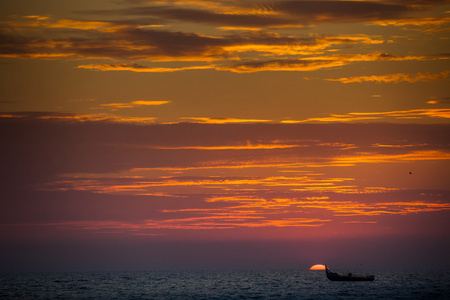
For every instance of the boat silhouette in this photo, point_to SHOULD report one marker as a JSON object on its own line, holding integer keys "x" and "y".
{"x": 349, "y": 277}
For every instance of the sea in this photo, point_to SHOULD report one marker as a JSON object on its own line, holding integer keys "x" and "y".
{"x": 270, "y": 284}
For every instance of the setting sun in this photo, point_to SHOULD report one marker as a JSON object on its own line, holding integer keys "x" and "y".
{"x": 317, "y": 267}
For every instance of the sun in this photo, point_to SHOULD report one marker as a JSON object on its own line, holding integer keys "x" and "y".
{"x": 318, "y": 267}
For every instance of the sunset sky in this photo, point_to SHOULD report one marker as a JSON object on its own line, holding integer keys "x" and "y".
{"x": 240, "y": 134}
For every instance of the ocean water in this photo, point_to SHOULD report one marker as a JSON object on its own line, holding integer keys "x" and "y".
{"x": 294, "y": 284}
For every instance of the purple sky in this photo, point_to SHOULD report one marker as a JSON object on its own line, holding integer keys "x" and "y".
{"x": 101, "y": 195}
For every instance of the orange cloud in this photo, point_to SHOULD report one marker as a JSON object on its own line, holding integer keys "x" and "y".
{"x": 377, "y": 158}
{"x": 413, "y": 113}
{"x": 353, "y": 208}
{"x": 331, "y": 118}
{"x": 395, "y": 78}
{"x": 283, "y": 65}
{"x": 137, "y": 103}
{"x": 38, "y": 21}
{"x": 219, "y": 7}
{"x": 317, "y": 62}
{"x": 258, "y": 212}
{"x": 317, "y": 45}
{"x": 248, "y": 212}
{"x": 378, "y": 145}
{"x": 91, "y": 118}
{"x": 244, "y": 147}
{"x": 358, "y": 116}
{"x": 193, "y": 223}
{"x": 432, "y": 24}
{"x": 341, "y": 146}
{"x": 414, "y": 21}
{"x": 223, "y": 120}
{"x": 140, "y": 186}
{"x": 139, "y": 68}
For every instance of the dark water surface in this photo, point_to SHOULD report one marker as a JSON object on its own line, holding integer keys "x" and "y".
{"x": 293, "y": 284}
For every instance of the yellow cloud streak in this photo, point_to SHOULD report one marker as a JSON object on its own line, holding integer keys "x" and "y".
{"x": 281, "y": 66}
{"x": 431, "y": 112}
{"x": 142, "y": 186}
{"x": 320, "y": 43}
{"x": 220, "y": 7}
{"x": 378, "y": 145}
{"x": 378, "y": 158}
{"x": 258, "y": 208}
{"x": 196, "y": 223}
{"x": 138, "y": 185}
{"x": 429, "y": 21}
{"x": 225, "y": 28}
{"x": 99, "y": 117}
{"x": 399, "y": 114}
{"x": 314, "y": 63}
{"x": 351, "y": 208}
{"x": 394, "y": 78}
{"x": 332, "y": 118}
{"x": 245, "y": 147}
{"x": 36, "y": 21}
{"x": 224, "y": 120}
{"x": 137, "y": 103}
{"x": 125, "y": 67}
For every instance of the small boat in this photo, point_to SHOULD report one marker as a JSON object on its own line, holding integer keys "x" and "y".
{"x": 349, "y": 277}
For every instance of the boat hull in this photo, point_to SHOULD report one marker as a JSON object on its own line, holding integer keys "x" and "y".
{"x": 336, "y": 277}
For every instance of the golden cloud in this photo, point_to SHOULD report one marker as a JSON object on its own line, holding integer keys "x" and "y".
{"x": 432, "y": 24}
{"x": 139, "y": 68}
{"x": 207, "y": 120}
{"x": 85, "y": 118}
{"x": 37, "y": 21}
{"x": 353, "y": 208}
{"x": 378, "y": 158}
{"x": 395, "y": 78}
{"x": 358, "y": 116}
{"x": 258, "y": 212}
{"x": 137, "y": 103}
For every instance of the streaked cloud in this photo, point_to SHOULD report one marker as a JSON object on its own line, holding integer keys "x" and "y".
{"x": 136, "y": 43}
{"x": 206, "y": 120}
{"x": 431, "y": 24}
{"x": 268, "y": 14}
{"x": 350, "y": 208}
{"x": 440, "y": 113}
{"x": 67, "y": 117}
{"x": 258, "y": 213}
{"x": 249, "y": 146}
{"x": 129, "y": 42}
{"x": 358, "y": 116}
{"x": 139, "y": 68}
{"x": 435, "y": 100}
{"x": 395, "y": 78}
{"x": 321, "y": 62}
{"x": 212, "y": 221}
{"x": 159, "y": 179}
{"x": 137, "y": 103}
{"x": 378, "y": 158}
{"x": 306, "y": 64}
{"x": 396, "y": 146}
